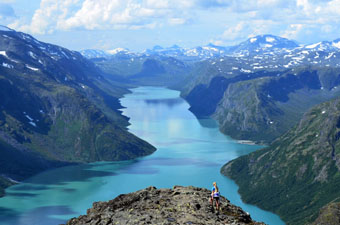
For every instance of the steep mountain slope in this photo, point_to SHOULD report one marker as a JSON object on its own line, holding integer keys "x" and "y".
{"x": 179, "y": 205}
{"x": 57, "y": 108}
{"x": 264, "y": 108}
{"x": 261, "y": 91}
{"x": 300, "y": 172}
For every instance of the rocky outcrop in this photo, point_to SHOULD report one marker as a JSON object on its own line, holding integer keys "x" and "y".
{"x": 330, "y": 215}
{"x": 179, "y": 205}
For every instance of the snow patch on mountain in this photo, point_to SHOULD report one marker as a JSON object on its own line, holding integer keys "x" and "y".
{"x": 9, "y": 66}
{"x": 268, "y": 46}
{"x": 313, "y": 45}
{"x": 336, "y": 44}
{"x": 116, "y": 51}
{"x": 33, "y": 124}
{"x": 32, "y": 55}
{"x": 252, "y": 40}
{"x": 270, "y": 39}
{"x": 32, "y": 68}
{"x": 3, "y": 53}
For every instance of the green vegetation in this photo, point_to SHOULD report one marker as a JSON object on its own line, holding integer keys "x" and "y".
{"x": 259, "y": 106}
{"x": 330, "y": 214}
{"x": 58, "y": 109}
{"x": 299, "y": 173}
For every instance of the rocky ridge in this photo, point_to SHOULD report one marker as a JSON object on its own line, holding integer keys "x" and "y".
{"x": 179, "y": 205}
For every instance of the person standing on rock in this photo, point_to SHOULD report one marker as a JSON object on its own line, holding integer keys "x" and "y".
{"x": 215, "y": 195}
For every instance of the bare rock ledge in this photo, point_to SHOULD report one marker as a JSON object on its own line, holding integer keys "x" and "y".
{"x": 179, "y": 205}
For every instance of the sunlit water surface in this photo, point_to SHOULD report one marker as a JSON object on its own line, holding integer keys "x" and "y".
{"x": 190, "y": 152}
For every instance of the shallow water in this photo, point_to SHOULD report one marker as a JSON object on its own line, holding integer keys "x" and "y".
{"x": 190, "y": 152}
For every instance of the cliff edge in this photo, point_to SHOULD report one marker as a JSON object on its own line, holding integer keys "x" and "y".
{"x": 179, "y": 205}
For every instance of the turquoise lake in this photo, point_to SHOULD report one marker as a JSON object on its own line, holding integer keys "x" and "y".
{"x": 189, "y": 152}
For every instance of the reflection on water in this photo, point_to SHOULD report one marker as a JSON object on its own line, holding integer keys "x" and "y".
{"x": 170, "y": 102}
{"x": 189, "y": 152}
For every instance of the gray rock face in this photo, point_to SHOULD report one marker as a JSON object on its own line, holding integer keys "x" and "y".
{"x": 179, "y": 205}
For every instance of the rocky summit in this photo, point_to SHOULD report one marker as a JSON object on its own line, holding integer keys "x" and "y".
{"x": 179, "y": 205}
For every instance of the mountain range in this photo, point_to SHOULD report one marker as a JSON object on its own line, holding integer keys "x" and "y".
{"x": 61, "y": 107}
{"x": 283, "y": 80}
{"x": 261, "y": 44}
{"x": 259, "y": 95}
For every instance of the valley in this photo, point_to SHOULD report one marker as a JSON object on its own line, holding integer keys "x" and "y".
{"x": 259, "y": 90}
{"x": 63, "y": 108}
{"x": 189, "y": 152}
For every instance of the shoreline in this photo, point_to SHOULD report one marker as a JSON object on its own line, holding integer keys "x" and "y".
{"x": 246, "y": 142}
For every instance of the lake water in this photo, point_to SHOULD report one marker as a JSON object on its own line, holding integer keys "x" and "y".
{"x": 190, "y": 152}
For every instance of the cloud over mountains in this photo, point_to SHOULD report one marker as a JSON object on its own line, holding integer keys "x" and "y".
{"x": 236, "y": 19}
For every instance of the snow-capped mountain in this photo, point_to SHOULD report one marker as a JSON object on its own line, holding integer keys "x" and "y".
{"x": 118, "y": 51}
{"x": 208, "y": 51}
{"x": 324, "y": 46}
{"x": 173, "y": 51}
{"x": 97, "y": 54}
{"x": 262, "y": 43}
{"x": 197, "y": 53}
{"x": 262, "y": 52}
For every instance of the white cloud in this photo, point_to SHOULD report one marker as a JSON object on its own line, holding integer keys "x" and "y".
{"x": 234, "y": 32}
{"x": 304, "y": 20}
{"x": 240, "y": 18}
{"x": 46, "y": 17}
{"x": 159, "y": 4}
{"x": 293, "y": 31}
{"x": 176, "y": 21}
{"x": 104, "y": 14}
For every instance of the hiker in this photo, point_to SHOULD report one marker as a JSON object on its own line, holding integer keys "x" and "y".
{"x": 215, "y": 195}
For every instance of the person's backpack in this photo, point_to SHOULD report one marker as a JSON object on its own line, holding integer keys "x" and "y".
{"x": 216, "y": 194}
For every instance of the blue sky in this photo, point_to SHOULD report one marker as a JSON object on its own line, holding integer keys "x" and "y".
{"x": 141, "y": 24}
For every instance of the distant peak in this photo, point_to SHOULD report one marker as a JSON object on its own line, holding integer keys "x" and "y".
{"x": 116, "y": 50}
{"x": 157, "y": 47}
{"x": 269, "y": 38}
{"x": 212, "y": 45}
{"x": 268, "y": 41}
{"x": 175, "y": 46}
